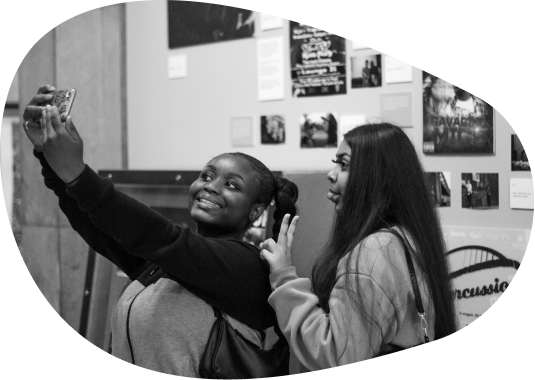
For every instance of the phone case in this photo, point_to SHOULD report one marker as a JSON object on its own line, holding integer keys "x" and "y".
{"x": 63, "y": 99}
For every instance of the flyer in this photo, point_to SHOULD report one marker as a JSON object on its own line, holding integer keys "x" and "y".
{"x": 317, "y": 61}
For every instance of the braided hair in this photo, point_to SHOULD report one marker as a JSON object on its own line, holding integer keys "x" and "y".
{"x": 282, "y": 191}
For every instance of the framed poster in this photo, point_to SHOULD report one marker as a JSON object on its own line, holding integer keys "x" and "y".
{"x": 192, "y": 23}
{"x": 455, "y": 121}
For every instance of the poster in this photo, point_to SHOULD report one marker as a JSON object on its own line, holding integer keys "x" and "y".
{"x": 397, "y": 71}
{"x": 480, "y": 191}
{"x": 483, "y": 262}
{"x": 270, "y": 71}
{"x": 241, "y": 131}
{"x": 455, "y": 121}
{"x": 319, "y": 130}
{"x": 366, "y": 71}
{"x": 396, "y": 108}
{"x": 192, "y": 23}
{"x": 439, "y": 186}
{"x": 272, "y": 129}
{"x": 521, "y": 193}
{"x": 519, "y": 158}
{"x": 317, "y": 61}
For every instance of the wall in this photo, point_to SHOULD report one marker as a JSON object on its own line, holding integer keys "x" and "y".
{"x": 85, "y": 52}
{"x": 182, "y": 123}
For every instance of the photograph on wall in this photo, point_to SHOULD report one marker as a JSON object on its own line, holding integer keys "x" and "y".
{"x": 192, "y": 23}
{"x": 480, "y": 191}
{"x": 439, "y": 186}
{"x": 366, "y": 71}
{"x": 319, "y": 130}
{"x": 455, "y": 121}
{"x": 317, "y": 61}
{"x": 272, "y": 129}
{"x": 519, "y": 158}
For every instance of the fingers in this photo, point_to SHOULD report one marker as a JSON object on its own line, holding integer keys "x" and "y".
{"x": 55, "y": 119}
{"x": 69, "y": 125}
{"x": 291, "y": 231}
{"x": 265, "y": 255}
{"x": 44, "y": 134}
{"x": 32, "y": 112}
{"x": 284, "y": 229}
{"x": 42, "y": 99}
{"x": 269, "y": 245}
{"x": 46, "y": 88}
{"x": 49, "y": 128}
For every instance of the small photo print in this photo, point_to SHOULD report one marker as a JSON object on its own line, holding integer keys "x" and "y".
{"x": 272, "y": 129}
{"x": 319, "y": 130}
{"x": 519, "y": 159}
{"x": 366, "y": 71}
{"x": 439, "y": 186}
{"x": 480, "y": 191}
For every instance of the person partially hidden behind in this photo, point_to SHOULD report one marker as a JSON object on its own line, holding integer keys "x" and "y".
{"x": 361, "y": 303}
{"x": 164, "y": 317}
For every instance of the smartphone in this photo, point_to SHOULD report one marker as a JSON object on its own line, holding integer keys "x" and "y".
{"x": 63, "y": 100}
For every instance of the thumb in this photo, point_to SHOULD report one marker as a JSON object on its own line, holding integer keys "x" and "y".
{"x": 69, "y": 125}
{"x": 265, "y": 255}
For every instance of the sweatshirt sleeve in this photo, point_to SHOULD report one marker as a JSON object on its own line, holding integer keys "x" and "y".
{"x": 82, "y": 224}
{"x": 224, "y": 273}
{"x": 322, "y": 340}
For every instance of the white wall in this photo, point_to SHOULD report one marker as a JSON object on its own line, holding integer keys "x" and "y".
{"x": 180, "y": 124}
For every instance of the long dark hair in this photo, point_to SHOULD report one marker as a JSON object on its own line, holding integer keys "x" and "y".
{"x": 270, "y": 188}
{"x": 386, "y": 189}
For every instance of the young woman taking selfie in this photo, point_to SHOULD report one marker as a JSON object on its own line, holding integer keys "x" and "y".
{"x": 163, "y": 319}
{"x": 361, "y": 302}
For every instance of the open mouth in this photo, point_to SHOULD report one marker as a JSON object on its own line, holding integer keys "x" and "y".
{"x": 206, "y": 204}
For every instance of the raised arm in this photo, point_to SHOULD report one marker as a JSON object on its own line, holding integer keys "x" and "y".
{"x": 84, "y": 226}
{"x": 222, "y": 272}
{"x": 80, "y": 221}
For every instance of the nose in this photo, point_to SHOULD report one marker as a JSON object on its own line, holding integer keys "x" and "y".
{"x": 332, "y": 175}
{"x": 212, "y": 186}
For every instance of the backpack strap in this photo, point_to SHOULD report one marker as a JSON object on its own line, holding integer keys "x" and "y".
{"x": 417, "y": 295}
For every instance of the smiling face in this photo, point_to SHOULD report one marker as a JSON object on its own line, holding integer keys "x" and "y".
{"x": 222, "y": 199}
{"x": 338, "y": 175}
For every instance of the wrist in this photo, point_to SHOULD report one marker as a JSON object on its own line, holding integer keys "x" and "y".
{"x": 72, "y": 177}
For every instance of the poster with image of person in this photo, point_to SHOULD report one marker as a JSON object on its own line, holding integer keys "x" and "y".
{"x": 366, "y": 71}
{"x": 480, "y": 191}
{"x": 519, "y": 158}
{"x": 317, "y": 61}
{"x": 272, "y": 129}
{"x": 455, "y": 121}
{"x": 319, "y": 130}
{"x": 439, "y": 186}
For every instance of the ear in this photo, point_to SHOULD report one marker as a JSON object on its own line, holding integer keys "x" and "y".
{"x": 256, "y": 211}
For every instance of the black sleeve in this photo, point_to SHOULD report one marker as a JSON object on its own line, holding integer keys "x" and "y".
{"x": 82, "y": 224}
{"x": 228, "y": 274}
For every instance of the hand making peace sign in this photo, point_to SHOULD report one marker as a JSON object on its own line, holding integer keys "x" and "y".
{"x": 279, "y": 254}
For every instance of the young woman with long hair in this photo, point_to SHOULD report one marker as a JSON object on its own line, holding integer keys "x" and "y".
{"x": 360, "y": 303}
{"x": 163, "y": 319}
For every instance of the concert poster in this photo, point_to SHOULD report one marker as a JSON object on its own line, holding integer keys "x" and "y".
{"x": 317, "y": 61}
{"x": 455, "y": 121}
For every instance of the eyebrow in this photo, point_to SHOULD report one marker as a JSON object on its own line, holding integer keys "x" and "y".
{"x": 230, "y": 174}
{"x": 342, "y": 155}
